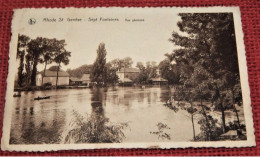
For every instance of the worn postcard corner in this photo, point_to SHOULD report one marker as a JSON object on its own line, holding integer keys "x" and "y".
{"x": 91, "y": 78}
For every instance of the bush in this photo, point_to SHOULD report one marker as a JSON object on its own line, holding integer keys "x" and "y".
{"x": 47, "y": 84}
{"x": 95, "y": 129}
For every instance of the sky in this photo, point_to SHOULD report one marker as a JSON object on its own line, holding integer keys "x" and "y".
{"x": 143, "y": 41}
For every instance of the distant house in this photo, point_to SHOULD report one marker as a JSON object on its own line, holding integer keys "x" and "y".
{"x": 127, "y": 75}
{"x": 50, "y": 75}
{"x": 86, "y": 79}
{"x": 159, "y": 81}
{"x": 74, "y": 81}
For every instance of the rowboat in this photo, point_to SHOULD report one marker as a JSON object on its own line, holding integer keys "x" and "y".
{"x": 40, "y": 98}
{"x": 17, "y": 95}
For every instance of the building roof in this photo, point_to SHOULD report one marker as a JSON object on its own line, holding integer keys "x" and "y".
{"x": 51, "y": 72}
{"x": 159, "y": 80}
{"x": 85, "y": 77}
{"x": 74, "y": 79}
{"x": 53, "y": 68}
{"x": 129, "y": 70}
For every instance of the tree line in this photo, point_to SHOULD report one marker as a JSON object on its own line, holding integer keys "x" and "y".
{"x": 209, "y": 74}
{"x": 32, "y": 52}
{"x": 104, "y": 72}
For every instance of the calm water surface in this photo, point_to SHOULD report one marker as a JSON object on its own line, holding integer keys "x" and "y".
{"x": 48, "y": 121}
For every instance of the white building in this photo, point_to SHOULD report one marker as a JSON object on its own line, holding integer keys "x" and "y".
{"x": 50, "y": 76}
{"x": 86, "y": 79}
{"x": 127, "y": 75}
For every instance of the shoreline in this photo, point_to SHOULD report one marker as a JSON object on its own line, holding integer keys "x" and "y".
{"x": 42, "y": 88}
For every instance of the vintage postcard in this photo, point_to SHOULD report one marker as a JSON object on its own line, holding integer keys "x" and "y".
{"x": 90, "y": 78}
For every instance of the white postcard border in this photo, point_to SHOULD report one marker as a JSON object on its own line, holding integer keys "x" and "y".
{"x": 53, "y": 147}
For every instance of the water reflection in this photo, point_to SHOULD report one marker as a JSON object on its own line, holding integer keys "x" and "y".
{"x": 33, "y": 124}
{"x": 96, "y": 115}
{"x": 95, "y": 128}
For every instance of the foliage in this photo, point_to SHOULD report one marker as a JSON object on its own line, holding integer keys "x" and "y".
{"x": 36, "y": 47}
{"x": 98, "y": 73}
{"x": 117, "y": 64}
{"x": 169, "y": 71}
{"x": 207, "y": 57}
{"x": 111, "y": 76}
{"x": 146, "y": 72}
{"x": 61, "y": 56}
{"x": 161, "y": 133}
{"x": 42, "y": 50}
{"x": 209, "y": 129}
{"x": 21, "y": 50}
{"x": 78, "y": 72}
{"x": 94, "y": 129}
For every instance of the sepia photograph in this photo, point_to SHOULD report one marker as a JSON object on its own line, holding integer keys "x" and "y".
{"x": 127, "y": 78}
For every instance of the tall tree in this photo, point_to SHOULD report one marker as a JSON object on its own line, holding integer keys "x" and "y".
{"x": 28, "y": 68}
{"x": 21, "y": 51}
{"x": 36, "y": 48}
{"x": 209, "y": 42}
{"x": 47, "y": 56}
{"x": 98, "y": 73}
{"x": 60, "y": 57}
{"x": 188, "y": 96}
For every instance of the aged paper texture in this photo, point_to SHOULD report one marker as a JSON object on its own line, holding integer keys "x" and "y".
{"x": 89, "y": 78}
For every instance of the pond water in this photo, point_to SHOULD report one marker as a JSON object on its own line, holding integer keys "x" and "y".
{"x": 49, "y": 120}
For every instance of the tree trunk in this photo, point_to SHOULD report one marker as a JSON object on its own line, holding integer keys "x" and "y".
{"x": 235, "y": 109}
{"x": 192, "y": 121}
{"x": 34, "y": 71}
{"x": 223, "y": 118}
{"x": 44, "y": 71}
{"x": 20, "y": 70}
{"x": 58, "y": 68}
{"x": 207, "y": 121}
{"x": 28, "y": 74}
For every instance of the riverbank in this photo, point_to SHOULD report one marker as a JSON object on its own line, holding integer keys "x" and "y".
{"x": 38, "y": 88}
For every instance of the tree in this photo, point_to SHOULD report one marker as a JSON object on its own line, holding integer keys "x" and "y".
{"x": 53, "y": 46}
{"x": 111, "y": 76}
{"x": 187, "y": 96}
{"x": 143, "y": 75}
{"x": 140, "y": 66}
{"x": 78, "y": 72}
{"x": 28, "y": 68}
{"x": 121, "y": 63}
{"x": 61, "y": 57}
{"x": 36, "y": 47}
{"x": 169, "y": 71}
{"x": 35, "y": 51}
{"x": 127, "y": 62}
{"x": 21, "y": 51}
{"x": 98, "y": 73}
{"x": 146, "y": 72}
{"x": 209, "y": 44}
{"x": 151, "y": 69}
